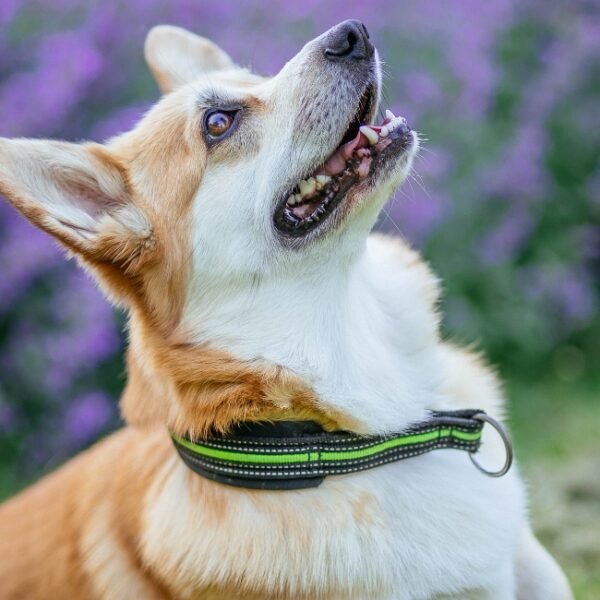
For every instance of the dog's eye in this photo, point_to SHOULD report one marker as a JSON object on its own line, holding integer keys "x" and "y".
{"x": 218, "y": 122}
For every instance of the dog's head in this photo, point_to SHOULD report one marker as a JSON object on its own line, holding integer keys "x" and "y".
{"x": 230, "y": 179}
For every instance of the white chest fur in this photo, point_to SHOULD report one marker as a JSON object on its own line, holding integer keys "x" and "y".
{"x": 425, "y": 526}
{"x": 366, "y": 338}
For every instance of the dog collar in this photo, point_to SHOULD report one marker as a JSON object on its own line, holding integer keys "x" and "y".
{"x": 287, "y": 455}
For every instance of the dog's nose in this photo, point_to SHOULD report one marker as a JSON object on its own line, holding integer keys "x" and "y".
{"x": 349, "y": 40}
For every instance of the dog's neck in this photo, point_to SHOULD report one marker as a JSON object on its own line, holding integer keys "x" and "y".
{"x": 362, "y": 335}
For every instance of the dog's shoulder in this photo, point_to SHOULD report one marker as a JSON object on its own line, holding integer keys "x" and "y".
{"x": 468, "y": 380}
{"x": 395, "y": 253}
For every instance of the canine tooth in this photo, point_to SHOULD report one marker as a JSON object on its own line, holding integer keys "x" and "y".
{"x": 291, "y": 200}
{"x": 370, "y": 134}
{"x": 390, "y": 115}
{"x": 307, "y": 187}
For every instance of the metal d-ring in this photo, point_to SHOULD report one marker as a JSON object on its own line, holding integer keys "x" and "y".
{"x": 485, "y": 418}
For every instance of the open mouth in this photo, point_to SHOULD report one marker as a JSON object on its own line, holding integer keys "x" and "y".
{"x": 313, "y": 199}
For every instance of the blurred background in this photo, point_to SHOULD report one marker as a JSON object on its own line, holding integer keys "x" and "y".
{"x": 505, "y": 204}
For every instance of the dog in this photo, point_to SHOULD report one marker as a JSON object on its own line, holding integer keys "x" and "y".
{"x": 233, "y": 225}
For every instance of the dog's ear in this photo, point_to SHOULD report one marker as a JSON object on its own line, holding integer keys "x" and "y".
{"x": 177, "y": 56}
{"x": 79, "y": 193}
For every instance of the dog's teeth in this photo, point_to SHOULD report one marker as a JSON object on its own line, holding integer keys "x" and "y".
{"x": 370, "y": 134}
{"x": 322, "y": 180}
{"x": 384, "y": 131}
{"x": 319, "y": 184}
{"x": 303, "y": 185}
{"x": 389, "y": 115}
{"x": 308, "y": 187}
{"x": 397, "y": 122}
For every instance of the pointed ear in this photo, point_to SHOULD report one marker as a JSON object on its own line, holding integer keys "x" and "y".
{"x": 177, "y": 56}
{"x": 78, "y": 193}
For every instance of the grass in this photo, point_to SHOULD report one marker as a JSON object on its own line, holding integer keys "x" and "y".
{"x": 555, "y": 429}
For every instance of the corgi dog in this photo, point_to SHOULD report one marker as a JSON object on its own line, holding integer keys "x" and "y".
{"x": 233, "y": 225}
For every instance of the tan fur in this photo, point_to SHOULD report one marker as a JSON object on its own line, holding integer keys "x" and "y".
{"x": 46, "y": 533}
{"x": 157, "y": 182}
{"x": 81, "y": 525}
{"x": 195, "y": 390}
{"x": 196, "y": 55}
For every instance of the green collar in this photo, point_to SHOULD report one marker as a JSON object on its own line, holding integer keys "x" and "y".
{"x": 298, "y": 454}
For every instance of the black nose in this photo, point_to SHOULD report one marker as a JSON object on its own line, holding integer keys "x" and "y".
{"x": 349, "y": 39}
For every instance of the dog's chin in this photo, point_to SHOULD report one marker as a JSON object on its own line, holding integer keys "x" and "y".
{"x": 368, "y": 167}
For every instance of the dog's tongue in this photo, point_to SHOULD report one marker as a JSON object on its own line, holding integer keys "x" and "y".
{"x": 336, "y": 163}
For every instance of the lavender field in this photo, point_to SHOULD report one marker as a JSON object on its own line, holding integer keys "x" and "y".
{"x": 505, "y": 200}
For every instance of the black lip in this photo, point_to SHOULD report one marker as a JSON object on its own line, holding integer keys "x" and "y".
{"x": 301, "y": 228}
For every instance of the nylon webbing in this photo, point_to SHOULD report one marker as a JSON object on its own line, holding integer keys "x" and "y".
{"x": 273, "y": 456}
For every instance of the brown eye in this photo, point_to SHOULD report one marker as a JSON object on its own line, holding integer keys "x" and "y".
{"x": 217, "y": 123}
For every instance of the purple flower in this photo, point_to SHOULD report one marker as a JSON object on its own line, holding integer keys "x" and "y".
{"x": 563, "y": 291}
{"x": 25, "y": 254}
{"x": 9, "y": 420}
{"x": 119, "y": 121}
{"x": 8, "y": 9}
{"x": 418, "y": 207}
{"x": 87, "y": 333}
{"x": 66, "y": 64}
{"x": 575, "y": 298}
{"x": 421, "y": 89}
{"x": 519, "y": 171}
{"x": 86, "y": 416}
{"x": 505, "y": 239}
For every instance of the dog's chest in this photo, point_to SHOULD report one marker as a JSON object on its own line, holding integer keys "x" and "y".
{"x": 413, "y": 529}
